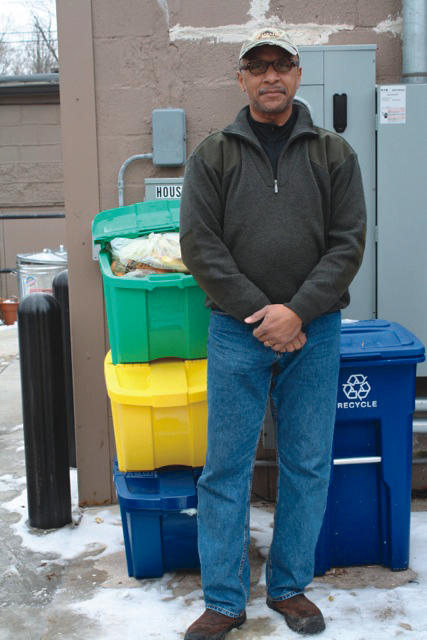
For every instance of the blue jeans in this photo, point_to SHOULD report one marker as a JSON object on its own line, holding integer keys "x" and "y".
{"x": 303, "y": 387}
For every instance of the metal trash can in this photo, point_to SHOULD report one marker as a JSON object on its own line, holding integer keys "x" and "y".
{"x": 367, "y": 519}
{"x": 36, "y": 271}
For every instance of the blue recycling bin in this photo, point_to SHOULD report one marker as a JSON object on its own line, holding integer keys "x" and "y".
{"x": 367, "y": 519}
{"x": 158, "y": 512}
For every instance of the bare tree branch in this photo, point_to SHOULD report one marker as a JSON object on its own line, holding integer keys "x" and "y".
{"x": 47, "y": 41}
{"x": 39, "y": 53}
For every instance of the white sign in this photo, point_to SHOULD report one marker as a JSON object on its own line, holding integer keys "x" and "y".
{"x": 168, "y": 191}
{"x": 393, "y": 104}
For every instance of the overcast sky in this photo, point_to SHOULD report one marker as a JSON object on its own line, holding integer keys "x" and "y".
{"x": 16, "y": 24}
{"x": 15, "y": 10}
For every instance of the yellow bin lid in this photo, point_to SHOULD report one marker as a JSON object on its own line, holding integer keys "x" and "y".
{"x": 160, "y": 383}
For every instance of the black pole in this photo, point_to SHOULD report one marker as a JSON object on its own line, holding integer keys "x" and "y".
{"x": 60, "y": 293}
{"x": 43, "y": 409}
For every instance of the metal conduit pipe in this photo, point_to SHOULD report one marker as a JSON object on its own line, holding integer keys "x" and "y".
{"x": 420, "y": 405}
{"x": 420, "y": 424}
{"x": 414, "y": 35}
{"x": 120, "y": 181}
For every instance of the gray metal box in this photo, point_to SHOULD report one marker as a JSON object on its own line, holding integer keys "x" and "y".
{"x": 350, "y": 69}
{"x": 163, "y": 188}
{"x": 402, "y": 207}
{"x": 169, "y": 137}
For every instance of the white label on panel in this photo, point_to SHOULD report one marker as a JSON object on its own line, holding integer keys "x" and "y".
{"x": 393, "y": 104}
{"x": 168, "y": 191}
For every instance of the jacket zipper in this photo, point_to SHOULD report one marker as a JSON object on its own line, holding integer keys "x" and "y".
{"x": 261, "y": 150}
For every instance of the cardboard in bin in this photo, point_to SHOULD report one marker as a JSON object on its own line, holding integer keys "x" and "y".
{"x": 160, "y": 413}
{"x": 158, "y": 511}
{"x": 367, "y": 519}
{"x": 158, "y": 315}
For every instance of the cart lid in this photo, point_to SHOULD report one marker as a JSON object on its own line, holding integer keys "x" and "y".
{"x": 379, "y": 339}
{"x": 136, "y": 220}
{"x": 164, "y": 490}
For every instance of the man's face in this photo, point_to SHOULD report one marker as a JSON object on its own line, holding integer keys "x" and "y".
{"x": 271, "y": 93}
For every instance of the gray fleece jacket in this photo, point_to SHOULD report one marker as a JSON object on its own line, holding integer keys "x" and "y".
{"x": 251, "y": 240}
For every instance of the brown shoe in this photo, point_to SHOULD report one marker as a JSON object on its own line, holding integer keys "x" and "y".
{"x": 213, "y": 626}
{"x": 300, "y": 613}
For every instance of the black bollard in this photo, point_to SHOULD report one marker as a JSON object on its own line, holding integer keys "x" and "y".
{"x": 44, "y": 411}
{"x": 60, "y": 293}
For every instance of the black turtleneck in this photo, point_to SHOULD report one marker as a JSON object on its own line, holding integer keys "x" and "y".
{"x": 273, "y": 137}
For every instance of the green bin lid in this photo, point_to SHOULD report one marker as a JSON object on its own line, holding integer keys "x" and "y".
{"x": 136, "y": 220}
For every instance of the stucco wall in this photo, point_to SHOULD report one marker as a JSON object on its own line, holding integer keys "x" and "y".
{"x": 134, "y": 56}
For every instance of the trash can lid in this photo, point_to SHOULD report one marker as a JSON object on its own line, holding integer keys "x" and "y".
{"x": 136, "y": 220}
{"x": 378, "y": 339}
{"x": 47, "y": 256}
{"x": 160, "y": 490}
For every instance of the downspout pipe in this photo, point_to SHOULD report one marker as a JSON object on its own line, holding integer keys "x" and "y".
{"x": 414, "y": 35}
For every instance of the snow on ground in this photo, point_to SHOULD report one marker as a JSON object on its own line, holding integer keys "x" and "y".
{"x": 359, "y": 614}
{"x": 8, "y": 327}
{"x": 83, "y": 535}
{"x": 155, "y": 610}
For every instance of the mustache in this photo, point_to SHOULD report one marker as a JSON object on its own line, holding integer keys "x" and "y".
{"x": 271, "y": 90}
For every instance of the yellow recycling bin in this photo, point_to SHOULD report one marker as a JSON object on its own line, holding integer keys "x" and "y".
{"x": 159, "y": 412}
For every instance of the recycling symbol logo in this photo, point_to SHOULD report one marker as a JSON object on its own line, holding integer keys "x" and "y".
{"x": 357, "y": 387}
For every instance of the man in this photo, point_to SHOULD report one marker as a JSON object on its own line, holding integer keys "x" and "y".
{"x": 273, "y": 228}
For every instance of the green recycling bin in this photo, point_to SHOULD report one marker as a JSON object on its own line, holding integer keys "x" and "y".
{"x": 158, "y": 315}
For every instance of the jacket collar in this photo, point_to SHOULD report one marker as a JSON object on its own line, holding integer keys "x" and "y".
{"x": 303, "y": 126}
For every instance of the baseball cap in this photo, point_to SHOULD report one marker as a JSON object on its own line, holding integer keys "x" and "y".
{"x": 269, "y": 35}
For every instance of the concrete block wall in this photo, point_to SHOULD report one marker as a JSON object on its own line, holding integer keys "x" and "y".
{"x": 31, "y": 179}
{"x": 30, "y": 156}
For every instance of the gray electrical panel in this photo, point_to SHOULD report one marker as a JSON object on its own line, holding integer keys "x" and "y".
{"x": 402, "y": 207}
{"x": 329, "y": 71}
{"x": 169, "y": 137}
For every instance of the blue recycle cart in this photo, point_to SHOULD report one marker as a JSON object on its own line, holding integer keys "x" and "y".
{"x": 367, "y": 519}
